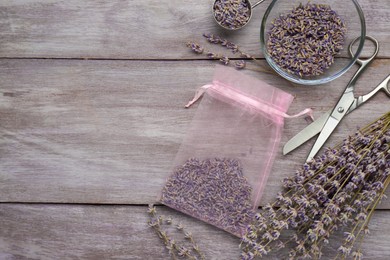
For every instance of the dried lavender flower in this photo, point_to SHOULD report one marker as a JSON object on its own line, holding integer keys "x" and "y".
{"x": 338, "y": 189}
{"x": 234, "y": 48}
{"x": 304, "y": 41}
{"x": 225, "y": 60}
{"x": 189, "y": 250}
{"x": 195, "y": 47}
{"x": 198, "y": 49}
{"x": 240, "y": 64}
{"x": 232, "y": 14}
{"x": 213, "y": 190}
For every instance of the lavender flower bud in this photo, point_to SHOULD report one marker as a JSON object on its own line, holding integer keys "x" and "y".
{"x": 211, "y": 55}
{"x": 195, "y": 47}
{"x": 240, "y": 64}
{"x": 357, "y": 255}
{"x": 349, "y": 237}
{"x": 371, "y": 168}
{"x": 361, "y": 216}
{"x": 377, "y": 185}
{"x": 312, "y": 235}
{"x": 224, "y": 60}
{"x": 344, "y": 250}
{"x": 212, "y": 38}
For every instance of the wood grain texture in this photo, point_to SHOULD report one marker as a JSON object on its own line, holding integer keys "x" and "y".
{"x": 101, "y": 123}
{"x": 75, "y": 131}
{"x": 120, "y": 232}
{"x": 136, "y": 29}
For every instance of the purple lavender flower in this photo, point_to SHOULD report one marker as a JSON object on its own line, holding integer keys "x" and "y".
{"x": 195, "y": 47}
{"x": 212, "y": 38}
{"x": 240, "y": 64}
{"x": 225, "y": 60}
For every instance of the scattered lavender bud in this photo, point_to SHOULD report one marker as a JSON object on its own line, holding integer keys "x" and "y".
{"x": 224, "y": 60}
{"x": 212, "y": 55}
{"x": 195, "y": 47}
{"x": 186, "y": 248}
{"x": 240, "y": 64}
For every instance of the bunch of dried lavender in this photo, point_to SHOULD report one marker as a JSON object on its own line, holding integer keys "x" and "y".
{"x": 305, "y": 41}
{"x": 339, "y": 189}
{"x": 232, "y": 47}
{"x": 175, "y": 248}
{"x": 213, "y": 190}
{"x": 232, "y": 14}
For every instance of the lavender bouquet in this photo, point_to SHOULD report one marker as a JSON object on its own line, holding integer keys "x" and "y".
{"x": 338, "y": 190}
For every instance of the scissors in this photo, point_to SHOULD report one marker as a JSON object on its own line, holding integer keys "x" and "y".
{"x": 328, "y": 122}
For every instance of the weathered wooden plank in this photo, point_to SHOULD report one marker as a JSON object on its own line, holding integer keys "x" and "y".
{"x": 107, "y": 131}
{"x": 135, "y": 29}
{"x": 121, "y": 232}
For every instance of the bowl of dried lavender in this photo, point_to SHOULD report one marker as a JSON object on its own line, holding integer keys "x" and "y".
{"x": 307, "y": 42}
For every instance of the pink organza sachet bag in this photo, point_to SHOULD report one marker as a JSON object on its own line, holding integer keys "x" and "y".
{"x": 223, "y": 163}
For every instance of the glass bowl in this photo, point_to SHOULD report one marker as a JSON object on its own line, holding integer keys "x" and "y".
{"x": 350, "y": 13}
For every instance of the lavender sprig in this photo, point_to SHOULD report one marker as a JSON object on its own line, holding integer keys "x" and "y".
{"x": 340, "y": 188}
{"x": 214, "y": 39}
{"x": 198, "y": 49}
{"x": 175, "y": 248}
{"x": 232, "y": 47}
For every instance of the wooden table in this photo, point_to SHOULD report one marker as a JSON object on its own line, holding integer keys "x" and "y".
{"x": 91, "y": 117}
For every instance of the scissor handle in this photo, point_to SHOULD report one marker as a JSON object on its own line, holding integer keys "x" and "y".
{"x": 362, "y": 62}
{"x": 384, "y": 85}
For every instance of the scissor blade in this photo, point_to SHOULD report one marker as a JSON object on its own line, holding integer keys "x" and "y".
{"x": 331, "y": 124}
{"x": 307, "y": 133}
{"x": 338, "y": 113}
{"x": 311, "y": 130}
